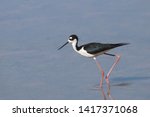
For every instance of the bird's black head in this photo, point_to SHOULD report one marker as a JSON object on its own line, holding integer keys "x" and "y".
{"x": 72, "y": 38}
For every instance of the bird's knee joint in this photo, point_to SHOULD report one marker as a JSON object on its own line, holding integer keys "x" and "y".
{"x": 118, "y": 56}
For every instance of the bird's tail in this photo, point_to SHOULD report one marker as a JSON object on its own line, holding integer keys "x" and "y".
{"x": 121, "y": 44}
{"x": 111, "y": 46}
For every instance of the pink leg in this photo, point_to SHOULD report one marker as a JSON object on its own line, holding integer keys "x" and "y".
{"x": 108, "y": 74}
{"x": 103, "y": 93}
{"x": 101, "y": 70}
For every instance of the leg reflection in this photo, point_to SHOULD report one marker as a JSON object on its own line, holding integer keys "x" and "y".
{"x": 103, "y": 93}
{"x": 108, "y": 96}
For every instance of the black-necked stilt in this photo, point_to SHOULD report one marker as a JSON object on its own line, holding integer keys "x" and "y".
{"x": 92, "y": 50}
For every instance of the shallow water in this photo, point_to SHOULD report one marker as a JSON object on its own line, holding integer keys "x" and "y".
{"x": 32, "y": 68}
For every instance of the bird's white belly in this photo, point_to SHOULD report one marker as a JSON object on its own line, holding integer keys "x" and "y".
{"x": 84, "y": 53}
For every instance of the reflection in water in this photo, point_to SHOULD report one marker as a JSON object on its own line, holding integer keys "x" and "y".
{"x": 107, "y": 94}
{"x": 122, "y": 84}
{"x": 103, "y": 93}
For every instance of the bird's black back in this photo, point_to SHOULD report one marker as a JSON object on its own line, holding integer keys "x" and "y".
{"x": 94, "y": 48}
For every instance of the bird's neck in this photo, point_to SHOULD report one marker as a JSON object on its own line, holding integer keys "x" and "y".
{"x": 75, "y": 46}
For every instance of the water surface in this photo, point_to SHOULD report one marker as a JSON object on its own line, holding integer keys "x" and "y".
{"x": 31, "y": 31}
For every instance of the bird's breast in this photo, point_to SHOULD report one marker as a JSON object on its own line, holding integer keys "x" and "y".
{"x": 85, "y": 53}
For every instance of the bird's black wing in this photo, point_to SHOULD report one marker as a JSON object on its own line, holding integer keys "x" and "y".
{"x": 94, "y": 48}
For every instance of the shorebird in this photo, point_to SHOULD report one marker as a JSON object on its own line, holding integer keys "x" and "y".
{"x": 92, "y": 50}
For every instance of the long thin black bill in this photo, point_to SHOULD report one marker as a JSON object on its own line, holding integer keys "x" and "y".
{"x": 62, "y": 46}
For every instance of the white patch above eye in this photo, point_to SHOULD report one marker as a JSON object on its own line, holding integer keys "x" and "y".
{"x": 70, "y": 37}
